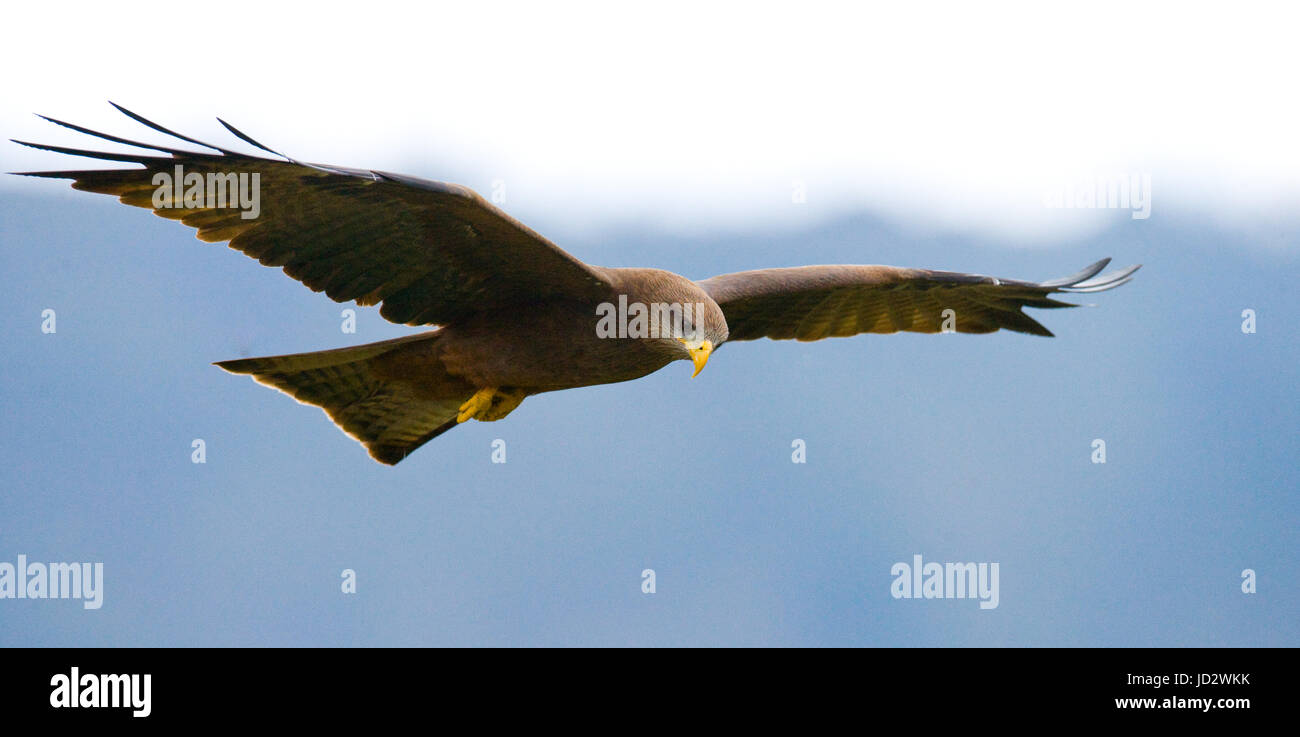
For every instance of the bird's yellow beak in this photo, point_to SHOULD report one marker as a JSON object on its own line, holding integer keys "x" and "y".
{"x": 700, "y": 351}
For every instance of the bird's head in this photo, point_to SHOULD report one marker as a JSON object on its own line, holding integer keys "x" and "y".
{"x": 672, "y": 313}
{"x": 701, "y": 335}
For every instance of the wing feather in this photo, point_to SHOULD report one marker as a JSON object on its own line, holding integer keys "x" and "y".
{"x": 427, "y": 252}
{"x": 815, "y": 302}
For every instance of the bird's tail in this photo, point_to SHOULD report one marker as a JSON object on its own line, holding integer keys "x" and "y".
{"x": 392, "y": 396}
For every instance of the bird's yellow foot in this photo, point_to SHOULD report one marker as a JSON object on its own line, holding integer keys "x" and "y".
{"x": 477, "y": 404}
{"x": 490, "y": 404}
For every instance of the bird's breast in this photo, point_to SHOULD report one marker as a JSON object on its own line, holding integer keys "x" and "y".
{"x": 545, "y": 347}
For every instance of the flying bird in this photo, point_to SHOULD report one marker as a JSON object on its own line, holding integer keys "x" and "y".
{"x": 513, "y": 315}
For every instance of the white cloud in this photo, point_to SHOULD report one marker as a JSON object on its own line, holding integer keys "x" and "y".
{"x": 690, "y": 115}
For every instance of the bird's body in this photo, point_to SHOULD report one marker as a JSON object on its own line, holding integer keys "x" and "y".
{"x": 515, "y": 315}
{"x": 537, "y": 347}
{"x": 508, "y": 353}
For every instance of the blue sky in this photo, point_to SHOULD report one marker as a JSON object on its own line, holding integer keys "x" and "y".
{"x": 959, "y": 448}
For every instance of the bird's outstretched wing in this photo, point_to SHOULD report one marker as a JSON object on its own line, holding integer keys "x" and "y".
{"x": 815, "y": 302}
{"x": 430, "y": 252}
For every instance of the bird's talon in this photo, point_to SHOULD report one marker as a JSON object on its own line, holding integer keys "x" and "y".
{"x": 477, "y": 404}
{"x": 490, "y": 404}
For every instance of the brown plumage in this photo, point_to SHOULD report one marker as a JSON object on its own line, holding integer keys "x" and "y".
{"x": 517, "y": 316}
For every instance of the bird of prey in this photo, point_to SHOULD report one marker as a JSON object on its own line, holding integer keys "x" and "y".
{"x": 513, "y": 315}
